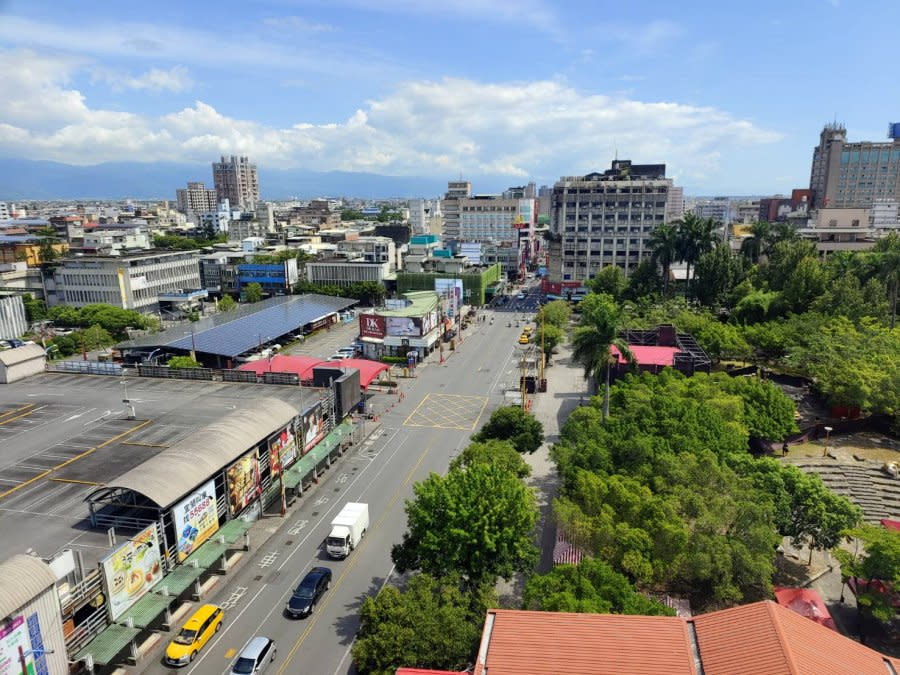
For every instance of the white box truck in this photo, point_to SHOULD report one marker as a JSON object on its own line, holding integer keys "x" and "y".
{"x": 347, "y": 529}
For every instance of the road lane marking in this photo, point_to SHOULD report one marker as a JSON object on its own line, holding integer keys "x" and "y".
{"x": 349, "y": 566}
{"x": 87, "y": 452}
{"x": 416, "y": 409}
{"x": 353, "y": 641}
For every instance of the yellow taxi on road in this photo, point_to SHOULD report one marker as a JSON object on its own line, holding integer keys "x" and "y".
{"x": 523, "y": 339}
{"x": 194, "y": 635}
{"x": 527, "y": 331}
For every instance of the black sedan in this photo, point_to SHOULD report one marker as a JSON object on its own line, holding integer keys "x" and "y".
{"x": 314, "y": 584}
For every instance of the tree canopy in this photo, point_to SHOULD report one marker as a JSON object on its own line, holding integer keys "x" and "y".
{"x": 511, "y": 423}
{"x": 879, "y": 559}
{"x": 502, "y": 453}
{"x": 253, "y": 292}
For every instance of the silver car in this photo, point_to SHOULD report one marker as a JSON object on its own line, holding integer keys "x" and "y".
{"x": 255, "y": 657}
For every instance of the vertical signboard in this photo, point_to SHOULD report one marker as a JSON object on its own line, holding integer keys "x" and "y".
{"x": 131, "y": 570}
{"x": 242, "y": 480}
{"x": 451, "y": 291}
{"x": 37, "y": 644}
{"x": 196, "y": 519}
{"x": 282, "y": 450}
{"x": 313, "y": 427}
{"x": 12, "y": 638}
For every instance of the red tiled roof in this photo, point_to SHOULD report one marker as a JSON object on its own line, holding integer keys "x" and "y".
{"x": 517, "y": 642}
{"x": 764, "y": 638}
{"x": 283, "y": 363}
{"x": 806, "y": 602}
{"x": 368, "y": 370}
{"x": 426, "y": 671}
{"x": 648, "y": 355}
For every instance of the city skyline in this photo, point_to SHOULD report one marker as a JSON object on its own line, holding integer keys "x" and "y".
{"x": 725, "y": 96}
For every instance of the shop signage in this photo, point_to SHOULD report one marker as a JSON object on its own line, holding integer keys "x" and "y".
{"x": 196, "y": 519}
{"x": 372, "y": 326}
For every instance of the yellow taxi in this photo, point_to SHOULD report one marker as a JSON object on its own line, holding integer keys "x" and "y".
{"x": 523, "y": 339}
{"x": 194, "y": 635}
{"x": 527, "y": 331}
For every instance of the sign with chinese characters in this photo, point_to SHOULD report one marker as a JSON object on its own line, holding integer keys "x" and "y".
{"x": 13, "y": 637}
{"x": 243, "y": 482}
{"x": 131, "y": 570}
{"x": 282, "y": 450}
{"x": 196, "y": 519}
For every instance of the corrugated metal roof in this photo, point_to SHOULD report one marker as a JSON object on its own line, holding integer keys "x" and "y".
{"x": 177, "y": 470}
{"x": 421, "y": 302}
{"x": 766, "y": 638}
{"x": 22, "y": 578}
{"x": 10, "y": 357}
{"x": 549, "y": 643}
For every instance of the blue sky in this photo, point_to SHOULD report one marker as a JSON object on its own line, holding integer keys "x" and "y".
{"x": 730, "y": 95}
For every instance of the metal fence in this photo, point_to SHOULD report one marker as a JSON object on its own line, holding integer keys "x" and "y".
{"x": 281, "y": 378}
{"x": 84, "y": 367}
{"x": 247, "y": 376}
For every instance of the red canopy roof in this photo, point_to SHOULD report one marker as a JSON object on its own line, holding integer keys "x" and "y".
{"x": 283, "y": 363}
{"x": 368, "y": 370}
{"x": 648, "y": 355}
{"x": 890, "y": 524}
{"x": 805, "y": 602}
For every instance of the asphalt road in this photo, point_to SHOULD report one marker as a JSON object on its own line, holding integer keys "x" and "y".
{"x": 441, "y": 409}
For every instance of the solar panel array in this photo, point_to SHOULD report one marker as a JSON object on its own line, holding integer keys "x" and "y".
{"x": 232, "y": 333}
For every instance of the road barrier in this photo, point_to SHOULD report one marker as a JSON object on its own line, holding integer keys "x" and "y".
{"x": 84, "y": 367}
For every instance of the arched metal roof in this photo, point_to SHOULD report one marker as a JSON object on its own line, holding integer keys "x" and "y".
{"x": 22, "y": 578}
{"x": 174, "y": 472}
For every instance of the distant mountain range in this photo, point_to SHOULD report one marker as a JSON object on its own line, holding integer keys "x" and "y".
{"x": 22, "y": 179}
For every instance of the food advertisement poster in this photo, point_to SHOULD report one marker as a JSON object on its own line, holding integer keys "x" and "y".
{"x": 282, "y": 450}
{"x": 196, "y": 519}
{"x": 243, "y": 482}
{"x": 131, "y": 570}
{"x": 313, "y": 427}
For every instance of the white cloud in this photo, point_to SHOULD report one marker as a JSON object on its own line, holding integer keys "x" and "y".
{"x": 297, "y": 24}
{"x": 175, "y": 79}
{"x": 430, "y": 128}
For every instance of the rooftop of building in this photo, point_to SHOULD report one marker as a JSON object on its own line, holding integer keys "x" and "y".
{"x": 420, "y": 303}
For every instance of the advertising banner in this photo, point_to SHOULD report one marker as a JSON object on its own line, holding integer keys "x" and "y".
{"x": 242, "y": 479}
{"x": 12, "y": 637}
{"x": 372, "y": 326}
{"x": 196, "y": 519}
{"x": 131, "y": 570}
{"x": 451, "y": 292}
{"x": 404, "y": 326}
{"x": 313, "y": 427}
{"x": 282, "y": 450}
{"x": 429, "y": 322}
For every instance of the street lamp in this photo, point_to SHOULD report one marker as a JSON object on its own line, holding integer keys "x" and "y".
{"x": 828, "y": 431}
{"x": 193, "y": 344}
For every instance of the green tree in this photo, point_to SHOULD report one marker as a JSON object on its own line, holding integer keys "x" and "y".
{"x": 755, "y": 307}
{"x": 227, "y": 303}
{"x": 556, "y": 313}
{"x": 759, "y": 242}
{"x": 511, "y": 423}
{"x": 367, "y": 292}
{"x": 600, "y": 321}
{"x": 96, "y": 337}
{"x": 767, "y": 412}
{"x": 549, "y": 336}
{"x": 643, "y": 281}
{"x": 183, "y": 362}
{"x": 784, "y": 258}
{"x": 717, "y": 273}
{"x": 879, "y": 559}
{"x": 35, "y": 310}
{"x": 664, "y": 243}
{"x": 719, "y": 340}
{"x": 429, "y": 624}
{"x": 844, "y": 296}
{"x": 501, "y": 453}
{"x": 351, "y": 214}
{"x": 695, "y": 236}
{"x": 609, "y": 280}
{"x": 48, "y": 239}
{"x": 591, "y": 586}
{"x": 887, "y": 251}
{"x": 253, "y": 292}
{"x": 804, "y": 285}
{"x": 476, "y": 522}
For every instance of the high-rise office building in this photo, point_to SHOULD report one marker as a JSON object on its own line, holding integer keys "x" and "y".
{"x": 854, "y": 175}
{"x": 195, "y": 198}
{"x": 236, "y": 180}
{"x": 456, "y": 190}
{"x": 606, "y": 219}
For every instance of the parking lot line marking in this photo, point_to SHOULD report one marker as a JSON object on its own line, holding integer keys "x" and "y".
{"x": 231, "y": 652}
{"x": 145, "y": 445}
{"x": 18, "y": 417}
{"x": 87, "y": 452}
{"x": 340, "y": 580}
{"x": 15, "y": 410}
{"x": 72, "y": 480}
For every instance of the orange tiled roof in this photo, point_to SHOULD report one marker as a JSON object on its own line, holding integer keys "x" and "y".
{"x": 516, "y": 642}
{"x": 764, "y": 638}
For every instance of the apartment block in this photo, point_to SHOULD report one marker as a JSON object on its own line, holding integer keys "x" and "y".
{"x": 840, "y": 229}
{"x": 130, "y": 281}
{"x": 236, "y": 180}
{"x": 195, "y": 198}
{"x": 450, "y": 208}
{"x": 605, "y": 219}
{"x": 854, "y": 175}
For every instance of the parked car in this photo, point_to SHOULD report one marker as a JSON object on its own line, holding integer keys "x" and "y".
{"x": 523, "y": 339}
{"x": 194, "y": 635}
{"x": 339, "y": 356}
{"x": 255, "y": 657}
{"x": 307, "y": 594}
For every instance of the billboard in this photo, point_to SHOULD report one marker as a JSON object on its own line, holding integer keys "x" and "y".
{"x": 131, "y": 570}
{"x": 196, "y": 519}
{"x": 429, "y": 322}
{"x": 404, "y": 326}
{"x": 13, "y": 637}
{"x": 282, "y": 450}
{"x": 372, "y": 326}
{"x": 451, "y": 292}
{"x": 242, "y": 479}
{"x": 313, "y": 427}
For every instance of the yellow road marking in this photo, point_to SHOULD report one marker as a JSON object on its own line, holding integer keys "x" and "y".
{"x": 15, "y": 410}
{"x": 421, "y": 403}
{"x": 480, "y": 413}
{"x": 144, "y": 445}
{"x": 87, "y": 452}
{"x": 337, "y": 584}
{"x": 72, "y": 480}
{"x": 17, "y": 417}
{"x": 231, "y": 652}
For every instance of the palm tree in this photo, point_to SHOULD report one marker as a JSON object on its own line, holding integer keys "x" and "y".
{"x": 696, "y": 236}
{"x": 600, "y": 320}
{"x": 887, "y": 251}
{"x": 758, "y": 242}
{"x": 664, "y": 243}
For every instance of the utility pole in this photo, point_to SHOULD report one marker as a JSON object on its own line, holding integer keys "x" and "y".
{"x": 543, "y": 353}
{"x": 522, "y": 378}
